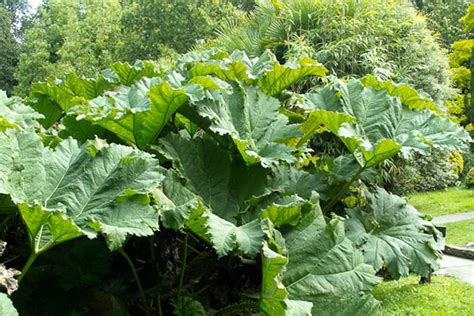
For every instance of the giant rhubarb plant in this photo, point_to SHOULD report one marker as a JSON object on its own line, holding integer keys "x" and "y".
{"x": 215, "y": 147}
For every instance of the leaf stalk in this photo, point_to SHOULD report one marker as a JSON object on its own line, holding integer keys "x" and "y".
{"x": 183, "y": 267}
{"x": 27, "y": 266}
{"x": 137, "y": 280}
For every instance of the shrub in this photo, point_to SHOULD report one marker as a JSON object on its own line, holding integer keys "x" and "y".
{"x": 421, "y": 173}
{"x": 457, "y": 161}
{"x": 469, "y": 180}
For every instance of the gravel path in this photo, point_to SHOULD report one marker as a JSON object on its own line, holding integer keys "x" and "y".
{"x": 444, "y": 219}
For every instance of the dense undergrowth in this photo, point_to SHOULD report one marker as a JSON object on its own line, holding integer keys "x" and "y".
{"x": 196, "y": 186}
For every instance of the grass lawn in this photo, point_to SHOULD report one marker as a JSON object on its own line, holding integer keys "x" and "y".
{"x": 444, "y": 296}
{"x": 453, "y": 200}
{"x": 460, "y": 233}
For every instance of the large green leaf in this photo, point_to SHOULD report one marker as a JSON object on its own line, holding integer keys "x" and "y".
{"x": 326, "y": 269}
{"x": 14, "y": 114}
{"x": 226, "y": 236}
{"x": 208, "y": 192}
{"x": 223, "y": 185}
{"x": 253, "y": 121}
{"x": 69, "y": 191}
{"x": 282, "y": 77}
{"x": 292, "y": 181}
{"x": 81, "y": 130}
{"x": 381, "y": 116}
{"x": 6, "y": 306}
{"x": 138, "y": 114}
{"x": 366, "y": 153}
{"x": 127, "y": 74}
{"x": 53, "y": 97}
{"x": 264, "y": 71}
{"x": 392, "y": 235}
{"x": 174, "y": 201}
{"x": 315, "y": 266}
{"x": 274, "y": 295}
{"x": 408, "y": 96}
{"x": 273, "y": 292}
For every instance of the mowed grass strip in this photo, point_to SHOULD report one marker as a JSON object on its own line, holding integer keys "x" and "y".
{"x": 444, "y": 296}
{"x": 451, "y": 201}
{"x": 460, "y": 233}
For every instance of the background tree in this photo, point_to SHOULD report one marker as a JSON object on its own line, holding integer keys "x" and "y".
{"x": 443, "y": 18}
{"x": 69, "y": 36}
{"x": 8, "y": 51}
{"x": 153, "y": 27}
{"x": 19, "y": 13}
{"x": 246, "y": 5}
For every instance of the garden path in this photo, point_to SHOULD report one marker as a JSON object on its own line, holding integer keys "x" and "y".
{"x": 444, "y": 219}
{"x": 457, "y": 267}
{"x": 454, "y": 266}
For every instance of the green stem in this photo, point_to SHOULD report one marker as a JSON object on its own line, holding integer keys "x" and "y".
{"x": 190, "y": 247}
{"x": 158, "y": 305}
{"x": 5, "y": 221}
{"x": 343, "y": 190}
{"x": 248, "y": 261}
{"x": 237, "y": 307}
{"x": 183, "y": 267}
{"x": 137, "y": 280}
{"x": 157, "y": 270}
{"x": 27, "y": 266}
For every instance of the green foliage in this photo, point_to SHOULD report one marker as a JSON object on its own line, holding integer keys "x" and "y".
{"x": 351, "y": 38}
{"x": 332, "y": 261}
{"x": 457, "y": 161}
{"x": 468, "y": 19}
{"x": 18, "y": 10}
{"x": 381, "y": 117}
{"x": 8, "y": 51}
{"x": 69, "y": 36}
{"x": 443, "y": 17}
{"x": 461, "y": 63}
{"x": 232, "y": 170}
{"x": 186, "y": 306}
{"x": 246, "y": 5}
{"x": 469, "y": 180}
{"x": 154, "y": 28}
